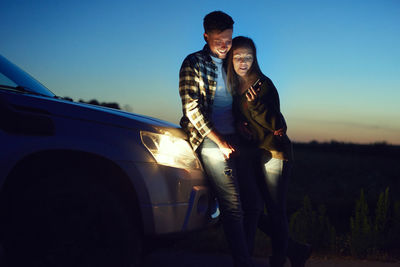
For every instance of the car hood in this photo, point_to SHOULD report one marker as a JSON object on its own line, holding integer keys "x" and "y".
{"x": 116, "y": 113}
{"x": 92, "y": 113}
{"x": 112, "y": 116}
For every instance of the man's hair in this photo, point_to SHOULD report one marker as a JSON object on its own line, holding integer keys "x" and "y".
{"x": 217, "y": 21}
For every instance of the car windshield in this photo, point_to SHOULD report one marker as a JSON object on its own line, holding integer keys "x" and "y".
{"x": 12, "y": 77}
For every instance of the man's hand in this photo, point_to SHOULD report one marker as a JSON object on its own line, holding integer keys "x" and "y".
{"x": 226, "y": 149}
{"x": 224, "y": 146}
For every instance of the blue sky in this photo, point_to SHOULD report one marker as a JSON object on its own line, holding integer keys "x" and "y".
{"x": 336, "y": 64}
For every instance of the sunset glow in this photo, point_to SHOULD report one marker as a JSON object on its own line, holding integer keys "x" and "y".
{"x": 335, "y": 63}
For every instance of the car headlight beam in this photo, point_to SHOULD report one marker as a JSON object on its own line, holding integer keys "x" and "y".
{"x": 170, "y": 150}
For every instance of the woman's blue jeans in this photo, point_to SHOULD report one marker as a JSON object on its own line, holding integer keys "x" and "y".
{"x": 223, "y": 179}
{"x": 264, "y": 182}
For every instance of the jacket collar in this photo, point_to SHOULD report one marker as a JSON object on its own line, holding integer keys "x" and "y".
{"x": 207, "y": 53}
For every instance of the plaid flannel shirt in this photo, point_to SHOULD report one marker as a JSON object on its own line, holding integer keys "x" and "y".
{"x": 197, "y": 86}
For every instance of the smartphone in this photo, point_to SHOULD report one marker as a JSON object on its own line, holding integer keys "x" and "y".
{"x": 257, "y": 84}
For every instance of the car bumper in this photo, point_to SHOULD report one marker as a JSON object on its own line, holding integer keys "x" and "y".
{"x": 173, "y": 200}
{"x": 198, "y": 212}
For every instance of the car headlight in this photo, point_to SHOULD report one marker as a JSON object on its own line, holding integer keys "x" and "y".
{"x": 170, "y": 150}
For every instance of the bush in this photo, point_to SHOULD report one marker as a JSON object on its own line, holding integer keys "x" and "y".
{"x": 360, "y": 227}
{"x": 381, "y": 226}
{"x": 309, "y": 226}
{"x": 374, "y": 237}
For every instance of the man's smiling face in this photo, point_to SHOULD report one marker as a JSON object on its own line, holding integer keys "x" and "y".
{"x": 219, "y": 42}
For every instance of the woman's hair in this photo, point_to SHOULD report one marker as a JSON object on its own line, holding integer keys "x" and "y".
{"x": 254, "y": 71}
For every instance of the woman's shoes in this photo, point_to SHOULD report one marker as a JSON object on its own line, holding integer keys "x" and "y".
{"x": 298, "y": 253}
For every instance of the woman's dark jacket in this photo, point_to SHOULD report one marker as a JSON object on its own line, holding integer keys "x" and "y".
{"x": 262, "y": 117}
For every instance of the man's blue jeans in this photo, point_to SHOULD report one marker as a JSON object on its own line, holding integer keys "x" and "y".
{"x": 223, "y": 179}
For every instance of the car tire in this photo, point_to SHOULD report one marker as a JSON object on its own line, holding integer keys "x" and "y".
{"x": 68, "y": 215}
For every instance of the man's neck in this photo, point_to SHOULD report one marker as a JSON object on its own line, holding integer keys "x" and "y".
{"x": 216, "y": 59}
{"x": 214, "y": 55}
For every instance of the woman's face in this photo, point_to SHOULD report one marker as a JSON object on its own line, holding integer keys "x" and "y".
{"x": 242, "y": 61}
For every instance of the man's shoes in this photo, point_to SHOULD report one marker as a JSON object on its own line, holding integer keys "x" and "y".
{"x": 277, "y": 262}
{"x": 298, "y": 253}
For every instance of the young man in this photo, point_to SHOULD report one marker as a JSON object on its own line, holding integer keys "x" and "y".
{"x": 208, "y": 121}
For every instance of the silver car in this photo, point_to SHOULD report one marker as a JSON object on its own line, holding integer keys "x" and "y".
{"x": 84, "y": 185}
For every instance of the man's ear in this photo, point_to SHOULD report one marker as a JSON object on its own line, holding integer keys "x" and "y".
{"x": 205, "y": 37}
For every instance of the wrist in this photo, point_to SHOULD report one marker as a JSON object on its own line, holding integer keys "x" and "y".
{"x": 216, "y": 138}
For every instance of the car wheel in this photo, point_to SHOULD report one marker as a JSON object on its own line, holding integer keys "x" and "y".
{"x": 66, "y": 215}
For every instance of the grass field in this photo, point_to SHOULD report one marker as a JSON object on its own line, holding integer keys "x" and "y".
{"x": 330, "y": 174}
{"x": 333, "y": 174}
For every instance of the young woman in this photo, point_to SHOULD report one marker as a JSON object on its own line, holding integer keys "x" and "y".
{"x": 263, "y": 128}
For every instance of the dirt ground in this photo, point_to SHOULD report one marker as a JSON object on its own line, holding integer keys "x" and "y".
{"x": 191, "y": 259}
{"x": 175, "y": 258}
{"x": 314, "y": 262}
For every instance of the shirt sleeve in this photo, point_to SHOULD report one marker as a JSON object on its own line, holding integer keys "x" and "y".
{"x": 192, "y": 102}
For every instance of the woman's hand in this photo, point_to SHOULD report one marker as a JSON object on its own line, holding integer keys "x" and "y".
{"x": 280, "y": 132}
{"x": 252, "y": 93}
